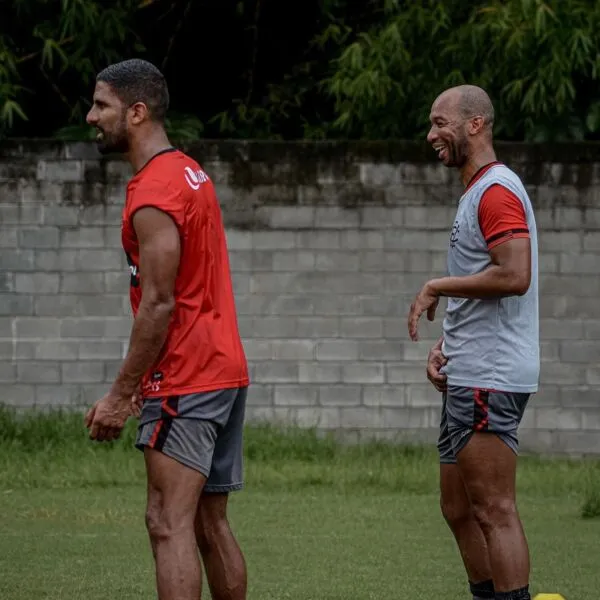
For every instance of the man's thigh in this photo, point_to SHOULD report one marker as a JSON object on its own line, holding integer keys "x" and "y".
{"x": 186, "y": 428}
{"x": 472, "y": 410}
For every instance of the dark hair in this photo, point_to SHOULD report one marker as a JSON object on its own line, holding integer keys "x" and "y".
{"x": 137, "y": 80}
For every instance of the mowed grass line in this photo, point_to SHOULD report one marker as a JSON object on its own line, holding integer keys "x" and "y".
{"x": 52, "y": 450}
{"x": 318, "y": 520}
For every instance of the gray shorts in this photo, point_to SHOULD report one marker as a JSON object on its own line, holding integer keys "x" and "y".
{"x": 467, "y": 410}
{"x": 203, "y": 431}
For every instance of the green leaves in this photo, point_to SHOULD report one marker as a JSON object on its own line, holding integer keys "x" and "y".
{"x": 592, "y": 120}
{"x": 51, "y": 49}
{"x": 536, "y": 59}
{"x": 8, "y": 110}
{"x": 57, "y": 52}
{"x": 362, "y": 70}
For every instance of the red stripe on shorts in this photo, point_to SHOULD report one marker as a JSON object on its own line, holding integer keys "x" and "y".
{"x": 155, "y": 433}
{"x": 481, "y": 410}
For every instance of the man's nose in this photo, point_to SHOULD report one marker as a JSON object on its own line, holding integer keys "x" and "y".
{"x": 91, "y": 117}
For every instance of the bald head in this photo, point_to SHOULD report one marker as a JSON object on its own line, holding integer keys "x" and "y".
{"x": 474, "y": 102}
{"x": 462, "y": 118}
{"x": 470, "y": 101}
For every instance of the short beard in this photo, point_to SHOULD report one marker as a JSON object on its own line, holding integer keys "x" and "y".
{"x": 458, "y": 153}
{"x": 117, "y": 143}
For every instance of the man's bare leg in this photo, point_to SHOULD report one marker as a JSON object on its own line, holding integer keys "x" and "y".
{"x": 460, "y": 517}
{"x": 488, "y": 468}
{"x": 173, "y": 493}
{"x": 223, "y": 559}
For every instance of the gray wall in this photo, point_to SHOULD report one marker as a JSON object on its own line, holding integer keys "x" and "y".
{"x": 329, "y": 243}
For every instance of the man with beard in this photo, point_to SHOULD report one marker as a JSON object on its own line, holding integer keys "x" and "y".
{"x": 185, "y": 357}
{"x": 486, "y": 363}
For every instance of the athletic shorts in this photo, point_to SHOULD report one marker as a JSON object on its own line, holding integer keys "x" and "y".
{"x": 203, "y": 431}
{"x": 467, "y": 410}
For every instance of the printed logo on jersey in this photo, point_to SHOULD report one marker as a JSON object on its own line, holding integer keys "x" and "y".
{"x": 195, "y": 178}
{"x": 454, "y": 234}
{"x": 153, "y": 384}
{"x": 134, "y": 270}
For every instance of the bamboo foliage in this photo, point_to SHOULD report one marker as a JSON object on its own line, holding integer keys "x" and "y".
{"x": 540, "y": 61}
{"x": 360, "y": 70}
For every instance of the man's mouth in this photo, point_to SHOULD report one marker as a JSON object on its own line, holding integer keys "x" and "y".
{"x": 100, "y": 135}
{"x": 442, "y": 151}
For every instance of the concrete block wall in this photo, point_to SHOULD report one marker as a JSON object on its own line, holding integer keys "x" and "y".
{"x": 329, "y": 242}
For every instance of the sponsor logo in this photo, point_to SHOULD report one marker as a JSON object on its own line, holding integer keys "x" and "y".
{"x": 195, "y": 178}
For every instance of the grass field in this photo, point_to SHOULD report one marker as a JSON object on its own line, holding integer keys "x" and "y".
{"x": 317, "y": 520}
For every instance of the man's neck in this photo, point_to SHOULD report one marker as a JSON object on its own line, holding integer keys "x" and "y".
{"x": 478, "y": 160}
{"x": 151, "y": 144}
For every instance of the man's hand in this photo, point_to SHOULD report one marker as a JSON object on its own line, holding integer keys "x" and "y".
{"x": 427, "y": 300}
{"x": 107, "y": 417}
{"x": 136, "y": 404}
{"x": 435, "y": 361}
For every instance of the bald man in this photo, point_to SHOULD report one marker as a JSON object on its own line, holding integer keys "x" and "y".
{"x": 486, "y": 364}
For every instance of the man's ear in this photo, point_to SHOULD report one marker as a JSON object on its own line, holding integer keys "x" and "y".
{"x": 475, "y": 126}
{"x": 138, "y": 112}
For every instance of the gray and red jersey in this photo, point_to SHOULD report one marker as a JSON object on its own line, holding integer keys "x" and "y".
{"x": 492, "y": 343}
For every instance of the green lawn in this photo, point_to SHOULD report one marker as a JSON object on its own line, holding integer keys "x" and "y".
{"x": 316, "y": 521}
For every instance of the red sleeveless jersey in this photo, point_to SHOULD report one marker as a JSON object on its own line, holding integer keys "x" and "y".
{"x": 203, "y": 350}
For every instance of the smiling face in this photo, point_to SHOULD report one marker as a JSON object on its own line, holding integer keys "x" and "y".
{"x": 448, "y": 134}
{"x": 109, "y": 116}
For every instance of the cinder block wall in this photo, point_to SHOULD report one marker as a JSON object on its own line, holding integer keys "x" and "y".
{"x": 329, "y": 242}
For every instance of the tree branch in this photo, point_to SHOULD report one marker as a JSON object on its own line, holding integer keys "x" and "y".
{"x": 180, "y": 23}
{"x": 55, "y": 87}
{"x": 33, "y": 55}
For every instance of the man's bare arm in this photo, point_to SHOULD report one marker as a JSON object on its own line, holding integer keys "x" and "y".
{"x": 159, "y": 262}
{"x": 508, "y": 275}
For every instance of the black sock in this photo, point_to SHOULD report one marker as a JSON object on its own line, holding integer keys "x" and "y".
{"x": 483, "y": 590}
{"x": 522, "y": 594}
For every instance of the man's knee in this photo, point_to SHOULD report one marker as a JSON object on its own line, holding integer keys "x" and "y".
{"x": 454, "y": 502}
{"x": 155, "y": 524}
{"x": 159, "y": 524}
{"x": 494, "y": 512}
{"x": 164, "y": 521}
{"x": 456, "y": 512}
